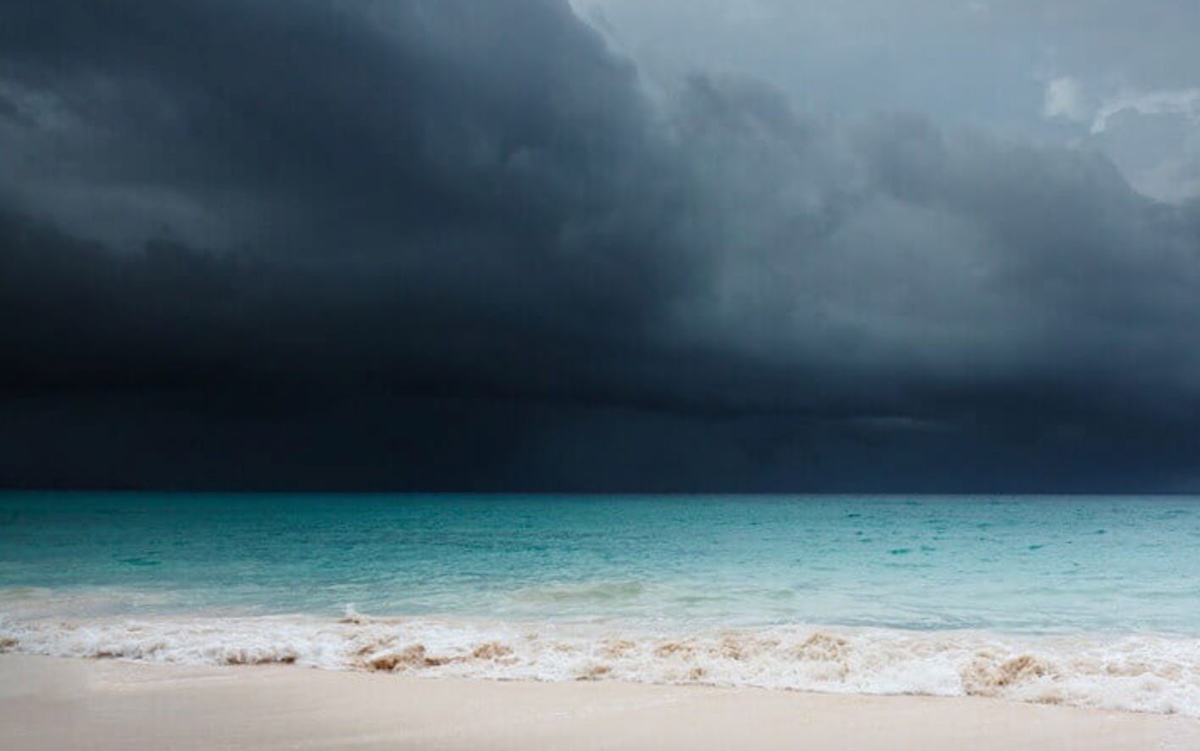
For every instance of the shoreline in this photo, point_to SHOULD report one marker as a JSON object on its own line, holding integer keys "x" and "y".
{"x": 49, "y": 703}
{"x": 1132, "y": 673}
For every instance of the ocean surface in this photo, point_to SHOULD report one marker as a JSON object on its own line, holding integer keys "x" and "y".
{"x": 1090, "y": 601}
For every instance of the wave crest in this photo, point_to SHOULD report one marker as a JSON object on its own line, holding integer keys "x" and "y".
{"x": 1136, "y": 673}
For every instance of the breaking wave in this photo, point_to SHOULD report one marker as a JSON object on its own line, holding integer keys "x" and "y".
{"x": 1134, "y": 673}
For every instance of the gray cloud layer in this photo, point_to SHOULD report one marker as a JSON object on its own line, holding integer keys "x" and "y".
{"x": 460, "y": 245}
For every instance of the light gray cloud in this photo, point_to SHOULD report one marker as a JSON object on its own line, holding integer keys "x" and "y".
{"x": 1066, "y": 99}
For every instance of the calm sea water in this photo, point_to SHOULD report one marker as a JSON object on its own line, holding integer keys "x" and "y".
{"x": 1083, "y": 600}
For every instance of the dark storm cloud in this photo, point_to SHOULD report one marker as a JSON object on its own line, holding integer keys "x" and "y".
{"x": 457, "y": 163}
{"x": 458, "y": 244}
{"x": 931, "y": 264}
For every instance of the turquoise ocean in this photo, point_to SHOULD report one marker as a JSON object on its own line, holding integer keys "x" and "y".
{"x": 1089, "y": 601}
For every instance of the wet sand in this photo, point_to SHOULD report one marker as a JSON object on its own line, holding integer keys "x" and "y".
{"x": 48, "y": 703}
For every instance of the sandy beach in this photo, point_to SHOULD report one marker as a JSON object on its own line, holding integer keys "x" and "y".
{"x": 49, "y": 703}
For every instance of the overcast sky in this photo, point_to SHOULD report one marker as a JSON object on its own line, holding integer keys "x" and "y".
{"x": 638, "y": 245}
{"x": 1104, "y": 74}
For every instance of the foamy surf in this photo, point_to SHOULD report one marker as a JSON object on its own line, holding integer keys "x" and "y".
{"x": 1133, "y": 673}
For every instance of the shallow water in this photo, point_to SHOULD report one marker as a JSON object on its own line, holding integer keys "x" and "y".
{"x": 1092, "y": 601}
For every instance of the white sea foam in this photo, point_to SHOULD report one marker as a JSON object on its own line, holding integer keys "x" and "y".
{"x": 1135, "y": 673}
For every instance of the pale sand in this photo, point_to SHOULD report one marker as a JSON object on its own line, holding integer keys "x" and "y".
{"x": 47, "y": 703}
